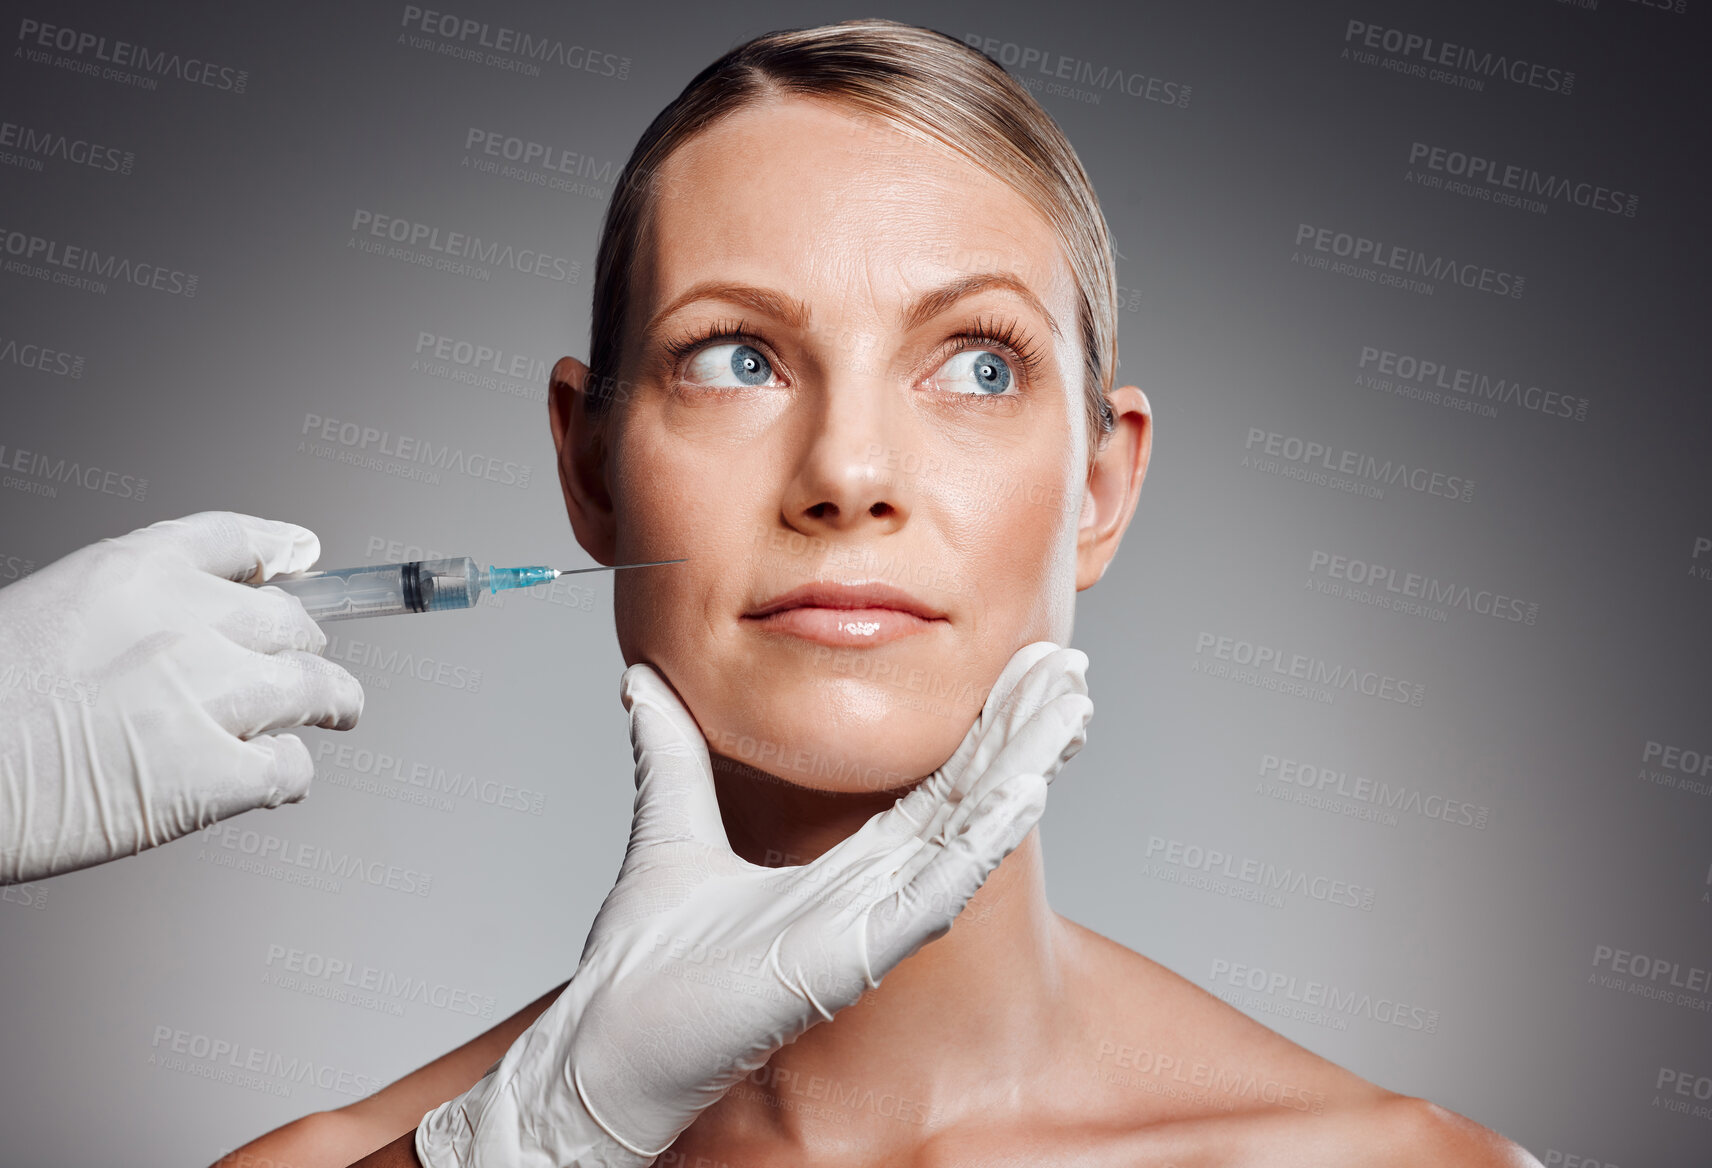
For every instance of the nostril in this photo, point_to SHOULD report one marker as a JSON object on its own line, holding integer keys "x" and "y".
{"x": 880, "y": 510}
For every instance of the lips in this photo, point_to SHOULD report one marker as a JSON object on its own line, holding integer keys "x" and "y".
{"x": 846, "y": 615}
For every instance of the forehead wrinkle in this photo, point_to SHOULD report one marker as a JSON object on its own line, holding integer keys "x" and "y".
{"x": 900, "y": 216}
{"x": 867, "y": 239}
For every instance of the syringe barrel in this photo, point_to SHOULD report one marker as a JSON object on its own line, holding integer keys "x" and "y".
{"x": 385, "y": 589}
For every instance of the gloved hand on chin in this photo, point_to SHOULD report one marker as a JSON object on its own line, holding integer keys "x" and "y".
{"x": 642, "y": 1041}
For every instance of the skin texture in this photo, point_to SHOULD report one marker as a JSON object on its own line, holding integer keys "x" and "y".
{"x": 766, "y": 488}
{"x": 1019, "y": 1037}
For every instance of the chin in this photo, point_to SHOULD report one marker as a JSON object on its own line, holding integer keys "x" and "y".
{"x": 836, "y": 735}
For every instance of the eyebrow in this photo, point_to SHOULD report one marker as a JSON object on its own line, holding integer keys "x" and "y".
{"x": 795, "y": 314}
{"x": 942, "y": 298}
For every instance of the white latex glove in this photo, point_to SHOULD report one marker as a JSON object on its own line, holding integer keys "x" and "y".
{"x": 137, "y": 685}
{"x": 701, "y": 965}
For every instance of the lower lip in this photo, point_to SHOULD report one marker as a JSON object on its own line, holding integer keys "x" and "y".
{"x": 845, "y": 628}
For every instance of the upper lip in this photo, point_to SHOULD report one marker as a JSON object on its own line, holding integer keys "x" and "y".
{"x": 833, "y": 594}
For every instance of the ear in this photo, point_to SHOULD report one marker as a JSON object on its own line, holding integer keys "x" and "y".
{"x": 580, "y": 441}
{"x": 1114, "y": 485}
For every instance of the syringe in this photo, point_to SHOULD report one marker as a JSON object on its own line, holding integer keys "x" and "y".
{"x": 418, "y": 586}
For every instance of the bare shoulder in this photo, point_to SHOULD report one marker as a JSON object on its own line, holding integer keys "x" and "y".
{"x": 1163, "y": 1035}
{"x": 1185, "y": 1074}
{"x": 1418, "y": 1132}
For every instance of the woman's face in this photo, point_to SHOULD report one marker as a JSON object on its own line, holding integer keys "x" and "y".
{"x": 853, "y": 362}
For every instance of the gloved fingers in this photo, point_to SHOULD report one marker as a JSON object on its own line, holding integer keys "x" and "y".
{"x": 278, "y": 768}
{"x": 1020, "y": 693}
{"x": 275, "y": 691}
{"x": 1041, "y": 668}
{"x": 885, "y": 831}
{"x": 939, "y": 806}
{"x": 1021, "y": 662}
{"x": 269, "y": 620}
{"x": 1035, "y": 673}
{"x": 1052, "y": 737}
{"x": 1053, "y": 673}
{"x": 675, "y": 798}
{"x": 944, "y": 877}
{"x": 234, "y": 545}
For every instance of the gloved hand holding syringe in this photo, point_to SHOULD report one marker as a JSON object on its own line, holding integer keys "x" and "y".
{"x": 146, "y": 691}
{"x": 416, "y": 586}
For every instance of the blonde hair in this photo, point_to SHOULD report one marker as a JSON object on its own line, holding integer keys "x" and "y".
{"x": 924, "y": 82}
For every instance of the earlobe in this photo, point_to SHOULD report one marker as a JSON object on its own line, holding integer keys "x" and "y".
{"x": 1114, "y": 485}
{"x": 580, "y": 448}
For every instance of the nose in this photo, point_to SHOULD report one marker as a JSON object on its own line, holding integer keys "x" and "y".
{"x": 843, "y": 484}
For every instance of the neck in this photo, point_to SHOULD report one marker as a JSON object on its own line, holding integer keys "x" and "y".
{"x": 919, "y": 1050}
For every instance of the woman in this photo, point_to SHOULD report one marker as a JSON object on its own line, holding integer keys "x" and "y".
{"x": 854, "y": 325}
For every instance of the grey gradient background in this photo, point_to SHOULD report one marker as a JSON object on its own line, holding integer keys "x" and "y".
{"x": 1494, "y": 929}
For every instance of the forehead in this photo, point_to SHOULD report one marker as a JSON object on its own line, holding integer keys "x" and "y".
{"x": 842, "y": 210}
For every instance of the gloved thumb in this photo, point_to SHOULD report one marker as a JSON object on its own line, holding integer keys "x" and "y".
{"x": 279, "y": 769}
{"x": 675, "y": 797}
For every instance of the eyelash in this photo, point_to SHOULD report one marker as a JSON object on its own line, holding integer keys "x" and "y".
{"x": 1006, "y": 334}
{"x": 729, "y": 331}
{"x": 1003, "y": 334}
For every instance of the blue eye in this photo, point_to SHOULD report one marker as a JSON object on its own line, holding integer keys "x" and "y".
{"x": 728, "y": 367}
{"x": 979, "y": 372}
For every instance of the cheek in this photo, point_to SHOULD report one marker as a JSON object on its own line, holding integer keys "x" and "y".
{"x": 670, "y": 504}
{"x": 1011, "y": 535}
